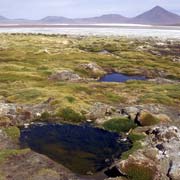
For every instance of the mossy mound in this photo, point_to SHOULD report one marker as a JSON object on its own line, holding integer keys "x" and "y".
{"x": 148, "y": 119}
{"x": 69, "y": 115}
{"x": 119, "y": 125}
{"x": 140, "y": 172}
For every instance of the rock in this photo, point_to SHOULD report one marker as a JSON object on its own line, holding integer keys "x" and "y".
{"x": 163, "y": 81}
{"x": 100, "y": 110}
{"x": 30, "y": 165}
{"x": 175, "y": 172}
{"x": 176, "y": 59}
{"x": 46, "y": 174}
{"x": 163, "y": 44}
{"x": 3, "y": 140}
{"x": 145, "y": 118}
{"x": 6, "y": 108}
{"x": 161, "y": 113}
{"x": 169, "y": 138}
{"x": 46, "y": 51}
{"x": 171, "y": 113}
{"x": 14, "y": 114}
{"x": 6, "y": 142}
{"x": 64, "y": 75}
{"x": 153, "y": 73}
{"x": 113, "y": 172}
{"x": 139, "y": 165}
{"x": 93, "y": 68}
{"x": 151, "y": 153}
{"x": 165, "y": 134}
{"x": 159, "y": 155}
{"x": 66, "y": 42}
{"x": 104, "y": 52}
{"x": 131, "y": 112}
{"x": 156, "y": 53}
{"x": 117, "y": 178}
{"x": 144, "y": 47}
{"x": 163, "y": 118}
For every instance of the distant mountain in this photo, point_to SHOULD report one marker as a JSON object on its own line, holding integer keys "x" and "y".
{"x": 108, "y": 18}
{"x": 157, "y": 16}
{"x": 2, "y": 18}
{"x": 56, "y": 19}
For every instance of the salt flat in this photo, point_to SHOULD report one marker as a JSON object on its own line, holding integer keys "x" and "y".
{"x": 163, "y": 32}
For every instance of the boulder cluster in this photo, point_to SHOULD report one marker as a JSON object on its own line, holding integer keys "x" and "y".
{"x": 160, "y": 154}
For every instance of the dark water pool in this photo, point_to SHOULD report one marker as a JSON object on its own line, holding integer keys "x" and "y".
{"x": 82, "y": 149}
{"x": 118, "y": 77}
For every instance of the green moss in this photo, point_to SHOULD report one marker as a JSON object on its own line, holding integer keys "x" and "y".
{"x": 45, "y": 116}
{"x": 119, "y": 125}
{"x": 68, "y": 114}
{"x": 135, "y": 138}
{"x": 70, "y": 99}
{"x": 136, "y": 145}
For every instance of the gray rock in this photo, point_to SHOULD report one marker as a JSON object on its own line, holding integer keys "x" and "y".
{"x": 105, "y": 52}
{"x": 93, "y": 68}
{"x": 6, "y": 108}
{"x": 160, "y": 153}
{"x": 169, "y": 113}
{"x": 100, "y": 110}
{"x": 163, "y": 81}
{"x": 6, "y": 142}
{"x": 132, "y": 111}
{"x": 65, "y": 75}
{"x": 176, "y": 59}
{"x": 169, "y": 138}
{"x": 34, "y": 166}
{"x": 175, "y": 172}
{"x": 16, "y": 114}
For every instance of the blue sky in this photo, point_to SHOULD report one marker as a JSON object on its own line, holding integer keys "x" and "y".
{"x": 35, "y": 9}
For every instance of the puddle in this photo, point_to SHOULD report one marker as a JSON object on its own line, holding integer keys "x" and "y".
{"x": 82, "y": 149}
{"x": 118, "y": 77}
